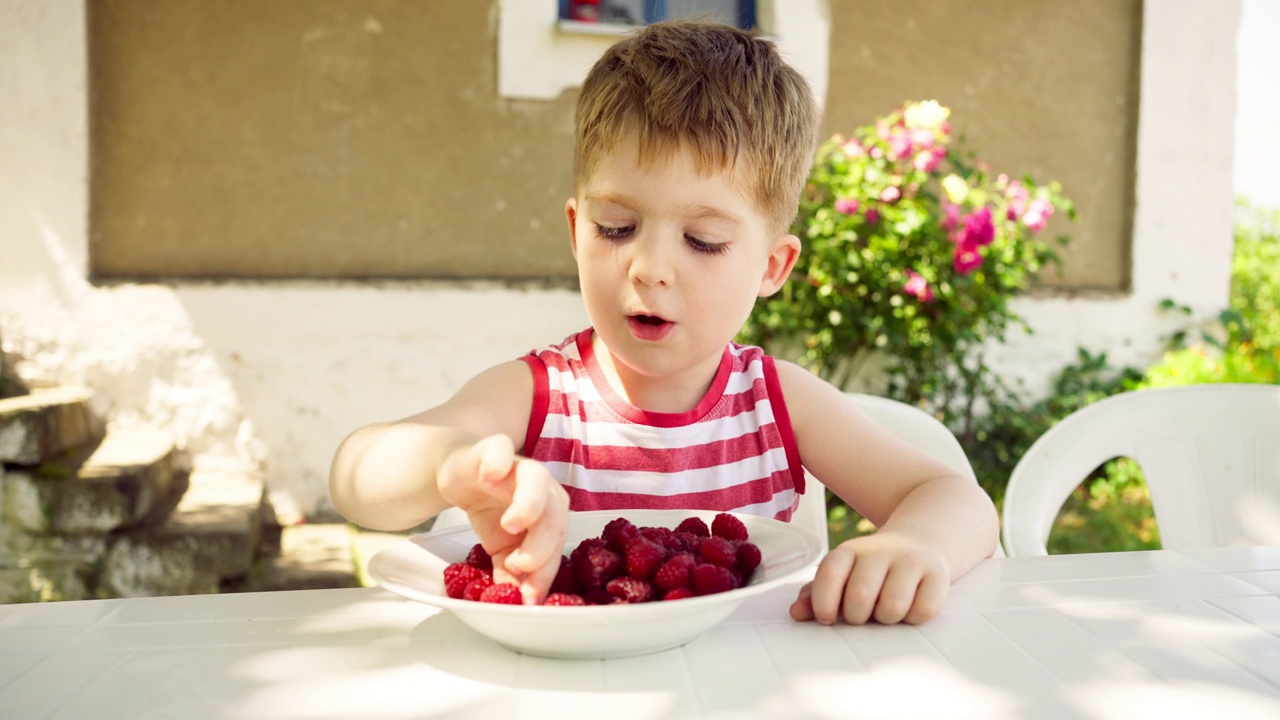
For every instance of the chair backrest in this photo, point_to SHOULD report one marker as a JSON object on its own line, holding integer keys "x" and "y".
{"x": 1210, "y": 455}
{"x": 909, "y": 423}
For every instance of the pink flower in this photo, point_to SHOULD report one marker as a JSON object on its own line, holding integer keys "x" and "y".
{"x": 1017, "y": 196}
{"x": 967, "y": 259}
{"x": 923, "y": 137}
{"x": 917, "y": 287}
{"x": 876, "y": 152}
{"x": 1038, "y": 214}
{"x": 899, "y": 145}
{"x": 848, "y": 206}
{"x": 927, "y": 160}
{"x": 951, "y": 216}
{"x": 873, "y": 216}
{"x": 853, "y": 148}
{"x": 978, "y": 229}
{"x": 890, "y": 195}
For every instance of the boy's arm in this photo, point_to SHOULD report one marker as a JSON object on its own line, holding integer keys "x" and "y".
{"x": 395, "y": 475}
{"x": 383, "y": 476}
{"x": 934, "y": 525}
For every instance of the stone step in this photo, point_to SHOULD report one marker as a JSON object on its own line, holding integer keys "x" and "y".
{"x": 36, "y": 568}
{"x": 210, "y": 541}
{"x": 46, "y": 423}
{"x": 127, "y": 480}
{"x": 312, "y": 557}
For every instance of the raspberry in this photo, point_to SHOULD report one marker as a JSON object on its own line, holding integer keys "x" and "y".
{"x": 478, "y": 557}
{"x": 630, "y": 590}
{"x": 564, "y": 578}
{"x": 564, "y": 599}
{"x": 596, "y": 567}
{"x": 476, "y": 588}
{"x": 728, "y": 527}
{"x": 584, "y": 547}
{"x": 689, "y": 541}
{"x": 676, "y": 572}
{"x": 695, "y": 526}
{"x": 643, "y": 558}
{"x": 710, "y": 579}
{"x": 600, "y": 596}
{"x": 718, "y": 551}
{"x": 502, "y": 594}
{"x": 458, "y": 576}
{"x": 679, "y": 593}
{"x": 664, "y": 537}
{"x": 618, "y": 534}
{"x": 748, "y": 559}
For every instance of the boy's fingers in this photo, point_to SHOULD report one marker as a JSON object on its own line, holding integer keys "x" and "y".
{"x": 862, "y": 590}
{"x": 495, "y": 456}
{"x": 543, "y": 542}
{"x": 898, "y": 595}
{"x": 535, "y": 586}
{"x": 529, "y": 496}
{"x": 802, "y": 608}
{"x": 829, "y": 584}
{"x": 930, "y": 598}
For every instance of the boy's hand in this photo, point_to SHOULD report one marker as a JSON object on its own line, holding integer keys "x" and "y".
{"x": 518, "y": 511}
{"x": 889, "y": 577}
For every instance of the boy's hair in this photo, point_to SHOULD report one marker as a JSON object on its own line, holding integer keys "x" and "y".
{"x": 723, "y": 93}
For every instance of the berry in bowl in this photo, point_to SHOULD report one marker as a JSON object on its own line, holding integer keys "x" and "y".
{"x": 630, "y": 582}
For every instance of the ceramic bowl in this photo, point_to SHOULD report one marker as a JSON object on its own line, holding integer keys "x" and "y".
{"x": 414, "y": 569}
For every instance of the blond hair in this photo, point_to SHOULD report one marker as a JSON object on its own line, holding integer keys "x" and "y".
{"x": 724, "y": 94}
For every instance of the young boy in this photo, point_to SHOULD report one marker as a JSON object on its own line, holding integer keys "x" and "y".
{"x": 693, "y": 142}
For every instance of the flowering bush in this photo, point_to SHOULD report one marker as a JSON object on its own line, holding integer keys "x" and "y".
{"x": 912, "y": 252}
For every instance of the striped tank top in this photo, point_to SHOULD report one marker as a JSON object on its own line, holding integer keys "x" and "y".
{"x": 735, "y": 451}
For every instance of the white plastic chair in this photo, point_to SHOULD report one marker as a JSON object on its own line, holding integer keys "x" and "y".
{"x": 909, "y": 423}
{"x": 1210, "y": 455}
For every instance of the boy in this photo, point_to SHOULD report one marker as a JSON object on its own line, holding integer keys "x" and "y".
{"x": 693, "y": 142}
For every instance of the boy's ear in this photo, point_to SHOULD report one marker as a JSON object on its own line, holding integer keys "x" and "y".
{"x": 783, "y": 257}
{"x": 571, "y": 212}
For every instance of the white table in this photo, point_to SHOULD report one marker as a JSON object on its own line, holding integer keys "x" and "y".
{"x": 1125, "y": 635}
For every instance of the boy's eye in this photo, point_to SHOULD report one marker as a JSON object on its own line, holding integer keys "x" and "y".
{"x": 614, "y": 233}
{"x": 710, "y": 248}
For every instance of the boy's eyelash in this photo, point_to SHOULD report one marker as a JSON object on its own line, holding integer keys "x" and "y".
{"x": 613, "y": 233}
{"x": 622, "y": 233}
{"x": 706, "y": 247}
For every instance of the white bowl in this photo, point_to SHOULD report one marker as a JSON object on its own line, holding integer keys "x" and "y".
{"x": 415, "y": 569}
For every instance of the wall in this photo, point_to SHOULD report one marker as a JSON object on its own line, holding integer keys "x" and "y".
{"x": 1258, "y": 105}
{"x": 276, "y": 373}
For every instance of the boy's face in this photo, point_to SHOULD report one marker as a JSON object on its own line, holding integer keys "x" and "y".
{"x": 671, "y": 260}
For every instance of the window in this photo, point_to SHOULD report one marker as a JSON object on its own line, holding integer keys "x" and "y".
{"x": 543, "y": 52}
{"x": 636, "y": 12}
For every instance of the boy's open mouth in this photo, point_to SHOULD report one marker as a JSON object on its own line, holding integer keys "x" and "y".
{"x": 649, "y": 327}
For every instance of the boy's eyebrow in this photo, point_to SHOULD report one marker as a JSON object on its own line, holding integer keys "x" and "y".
{"x": 694, "y": 211}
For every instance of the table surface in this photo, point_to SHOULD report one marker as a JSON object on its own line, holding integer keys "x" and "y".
{"x": 1159, "y": 634}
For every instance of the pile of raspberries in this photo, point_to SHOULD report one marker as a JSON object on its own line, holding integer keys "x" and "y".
{"x": 628, "y": 564}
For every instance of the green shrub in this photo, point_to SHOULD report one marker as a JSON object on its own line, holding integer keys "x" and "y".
{"x": 912, "y": 253}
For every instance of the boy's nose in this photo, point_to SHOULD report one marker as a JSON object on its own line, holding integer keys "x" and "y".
{"x": 651, "y": 262}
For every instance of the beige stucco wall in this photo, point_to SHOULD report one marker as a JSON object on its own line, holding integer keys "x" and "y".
{"x": 274, "y": 374}
{"x": 1048, "y": 89}
{"x": 317, "y": 139}
{"x": 338, "y": 139}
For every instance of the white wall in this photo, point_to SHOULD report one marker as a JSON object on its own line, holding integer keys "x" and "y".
{"x": 275, "y": 374}
{"x": 1258, "y": 104}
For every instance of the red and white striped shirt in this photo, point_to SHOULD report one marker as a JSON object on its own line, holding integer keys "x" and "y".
{"x": 735, "y": 451}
